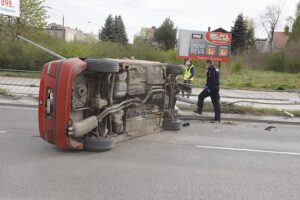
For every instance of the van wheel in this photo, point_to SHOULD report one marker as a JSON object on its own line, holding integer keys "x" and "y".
{"x": 98, "y": 144}
{"x": 172, "y": 125}
{"x": 102, "y": 65}
{"x": 175, "y": 69}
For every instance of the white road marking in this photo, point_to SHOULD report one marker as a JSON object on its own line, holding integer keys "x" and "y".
{"x": 2, "y": 131}
{"x": 250, "y": 150}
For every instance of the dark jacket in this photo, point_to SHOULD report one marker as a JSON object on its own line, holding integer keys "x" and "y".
{"x": 213, "y": 79}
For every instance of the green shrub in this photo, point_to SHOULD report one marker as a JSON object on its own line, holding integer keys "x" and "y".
{"x": 17, "y": 54}
{"x": 237, "y": 67}
{"x": 284, "y": 61}
{"x": 276, "y": 61}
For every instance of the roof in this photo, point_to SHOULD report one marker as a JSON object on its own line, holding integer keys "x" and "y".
{"x": 258, "y": 39}
{"x": 221, "y": 30}
{"x": 280, "y": 39}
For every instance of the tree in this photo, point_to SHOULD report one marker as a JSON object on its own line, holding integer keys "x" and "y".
{"x": 165, "y": 35}
{"x": 32, "y": 20}
{"x": 270, "y": 21}
{"x": 114, "y": 30}
{"x": 107, "y": 32}
{"x": 298, "y": 10}
{"x": 288, "y": 24}
{"x": 120, "y": 35}
{"x": 250, "y": 33}
{"x": 295, "y": 35}
{"x": 239, "y": 34}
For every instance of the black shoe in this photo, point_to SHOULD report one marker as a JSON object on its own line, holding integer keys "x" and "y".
{"x": 197, "y": 111}
{"x": 215, "y": 120}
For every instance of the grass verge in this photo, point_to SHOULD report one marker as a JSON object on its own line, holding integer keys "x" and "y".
{"x": 2, "y": 91}
{"x": 21, "y": 74}
{"x": 243, "y": 110}
{"x": 254, "y": 79}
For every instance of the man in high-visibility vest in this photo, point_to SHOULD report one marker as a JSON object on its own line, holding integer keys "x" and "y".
{"x": 188, "y": 76}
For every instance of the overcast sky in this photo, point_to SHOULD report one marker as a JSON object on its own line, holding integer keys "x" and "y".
{"x": 187, "y": 14}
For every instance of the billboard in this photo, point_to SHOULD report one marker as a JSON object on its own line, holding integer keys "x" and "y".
{"x": 201, "y": 45}
{"x": 10, "y": 7}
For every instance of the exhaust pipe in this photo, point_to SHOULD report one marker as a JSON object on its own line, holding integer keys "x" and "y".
{"x": 83, "y": 127}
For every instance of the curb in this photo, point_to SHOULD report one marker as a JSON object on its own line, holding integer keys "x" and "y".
{"x": 189, "y": 117}
{"x": 205, "y": 118}
{"x": 18, "y": 105}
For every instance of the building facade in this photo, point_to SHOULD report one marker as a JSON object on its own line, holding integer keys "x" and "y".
{"x": 66, "y": 33}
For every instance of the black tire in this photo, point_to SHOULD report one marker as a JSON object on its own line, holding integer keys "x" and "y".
{"x": 175, "y": 69}
{"x": 102, "y": 65}
{"x": 98, "y": 144}
{"x": 172, "y": 125}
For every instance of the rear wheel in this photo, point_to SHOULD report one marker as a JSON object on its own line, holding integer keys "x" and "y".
{"x": 98, "y": 144}
{"x": 102, "y": 65}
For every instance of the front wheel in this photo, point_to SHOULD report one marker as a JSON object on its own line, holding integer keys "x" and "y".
{"x": 102, "y": 65}
{"x": 98, "y": 144}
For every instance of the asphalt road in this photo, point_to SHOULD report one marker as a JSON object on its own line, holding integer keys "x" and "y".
{"x": 203, "y": 161}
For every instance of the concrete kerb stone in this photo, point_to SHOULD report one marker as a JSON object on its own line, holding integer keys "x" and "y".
{"x": 187, "y": 116}
{"x": 237, "y": 119}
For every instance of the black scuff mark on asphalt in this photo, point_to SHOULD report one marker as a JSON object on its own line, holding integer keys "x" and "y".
{"x": 270, "y": 128}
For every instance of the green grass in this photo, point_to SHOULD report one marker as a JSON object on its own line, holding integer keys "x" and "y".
{"x": 243, "y": 110}
{"x": 254, "y": 79}
{"x": 2, "y": 91}
{"x": 243, "y": 72}
{"x": 21, "y": 74}
{"x": 246, "y": 79}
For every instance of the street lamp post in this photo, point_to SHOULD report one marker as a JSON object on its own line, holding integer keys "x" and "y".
{"x": 94, "y": 23}
{"x": 97, "y": 26}
{"x": 63, "y": 19}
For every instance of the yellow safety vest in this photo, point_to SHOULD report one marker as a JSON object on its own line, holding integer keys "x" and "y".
{"x": 188, "y": 73}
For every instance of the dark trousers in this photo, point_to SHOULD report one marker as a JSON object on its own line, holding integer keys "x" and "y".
{"x": 215, "y": 98}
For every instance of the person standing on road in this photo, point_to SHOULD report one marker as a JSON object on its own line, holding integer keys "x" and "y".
{"x": 211, "y": 89}
{"x": 188, "y": 76}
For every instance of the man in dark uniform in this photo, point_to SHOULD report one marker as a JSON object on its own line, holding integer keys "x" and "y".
{"x": 211, "y": 89}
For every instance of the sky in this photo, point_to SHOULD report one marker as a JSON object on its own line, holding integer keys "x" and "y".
{"x": 186, "y": 14}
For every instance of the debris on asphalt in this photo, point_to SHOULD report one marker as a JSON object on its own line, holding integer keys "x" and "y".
{"x": 230, "y": 123}
{"x": 289, "y": 114}
{"x": 186, "y": 124}
{"x": 270, "y": 128}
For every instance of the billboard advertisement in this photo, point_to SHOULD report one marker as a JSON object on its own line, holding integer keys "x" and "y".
{"x": 201, "y": 45}
{"x": 10, "y": 7}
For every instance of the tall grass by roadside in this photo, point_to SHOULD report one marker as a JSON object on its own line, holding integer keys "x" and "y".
{"x": 277, "y": 71}
{"x": 19, "y": 55}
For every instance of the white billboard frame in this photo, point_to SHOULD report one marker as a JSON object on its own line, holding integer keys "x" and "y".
{"x": 10, "y": 7}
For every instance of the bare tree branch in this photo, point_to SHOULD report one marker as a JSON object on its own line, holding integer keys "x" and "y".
{"x": 269, "y": 20}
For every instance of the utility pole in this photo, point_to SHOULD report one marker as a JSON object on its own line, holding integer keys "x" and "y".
{"x": 63, "y": 20}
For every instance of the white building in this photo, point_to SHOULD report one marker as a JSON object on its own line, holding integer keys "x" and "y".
{"x": 68, "y": 34}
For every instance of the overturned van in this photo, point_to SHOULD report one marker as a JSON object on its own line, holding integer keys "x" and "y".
{"x": 92, "y": 104}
